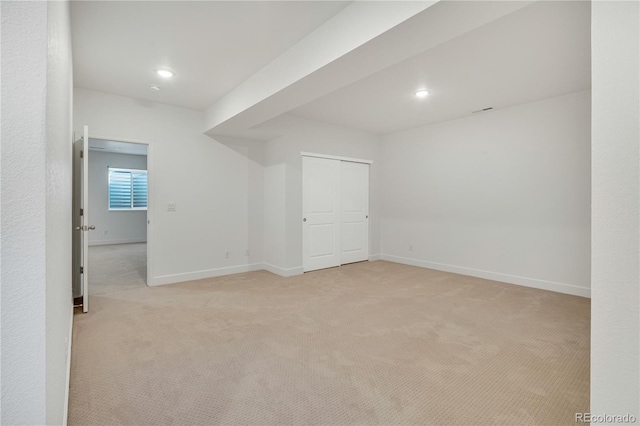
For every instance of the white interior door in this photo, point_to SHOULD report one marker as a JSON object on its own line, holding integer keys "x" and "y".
{"x": 354, "y": 202}
{"x": 321, "y": 213}
{"x": 81, "y": 218}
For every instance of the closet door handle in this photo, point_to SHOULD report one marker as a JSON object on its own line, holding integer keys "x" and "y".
{"x": 304, "y": 219}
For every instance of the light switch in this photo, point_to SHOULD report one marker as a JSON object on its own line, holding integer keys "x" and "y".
{"x": 171, "y": 207}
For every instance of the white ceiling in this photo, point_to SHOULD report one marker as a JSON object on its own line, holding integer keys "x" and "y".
{"x": 101, "y": 145}
{"x": 540, "y": 51}
{"x": 211, "y": 45}
{"x": 473, "y": 55}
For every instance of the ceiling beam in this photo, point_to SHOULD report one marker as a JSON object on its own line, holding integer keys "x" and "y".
{"x": 362, "y": 39}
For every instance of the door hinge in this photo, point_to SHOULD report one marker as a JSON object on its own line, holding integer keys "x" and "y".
{"x": 81, "y": 212}
{"x": 81, "y": 154}
{"x": 82, "y": 269}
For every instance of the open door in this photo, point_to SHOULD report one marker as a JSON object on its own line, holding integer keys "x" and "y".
{"x": 81, "y": 220}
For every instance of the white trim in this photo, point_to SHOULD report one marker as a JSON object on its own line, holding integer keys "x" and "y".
{"x": 335, "y": 157}
{"x": 495, "y": 276}
{"x": 111, "y": 242}
{"x": 374, "y": 257}
{"x": 65, "y": 412}
{"x": 119, "y": 139}
{"x": 150, "y": 211}
{"x": 207, "y": 273}
{"x": 283, "y": 272}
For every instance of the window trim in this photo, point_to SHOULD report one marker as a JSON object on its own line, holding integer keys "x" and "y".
{"x": 132, "y": 171}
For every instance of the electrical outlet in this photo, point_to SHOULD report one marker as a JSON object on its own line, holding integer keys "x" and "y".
{"x": 171, "y": 207}
{"x": 227, "y": 254}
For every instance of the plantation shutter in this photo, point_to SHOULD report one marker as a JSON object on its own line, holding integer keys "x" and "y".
{"x": 139, "y": 190}
{"x": 119, "y": 189}
{"x": 127, "y": 189}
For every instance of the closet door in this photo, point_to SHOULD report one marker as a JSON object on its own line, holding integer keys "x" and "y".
{"x": 354, "y": 202}
{"x": 321, "y": 213}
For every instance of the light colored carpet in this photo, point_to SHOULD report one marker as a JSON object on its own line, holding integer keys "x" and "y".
{"x": 363, "y": 344}
{"x": 117, "y": 267}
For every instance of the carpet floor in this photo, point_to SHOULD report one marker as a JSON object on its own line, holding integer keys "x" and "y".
{"x": 117, "y": 267}
{"x": 373, "y": 343}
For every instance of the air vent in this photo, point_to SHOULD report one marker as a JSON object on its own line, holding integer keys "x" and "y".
{"x": 482, "y": 110}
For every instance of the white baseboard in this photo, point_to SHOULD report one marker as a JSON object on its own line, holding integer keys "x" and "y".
{"x": 65, "y": 412}
{"x": 208, "y": 273}
{"x": 374, "y": 257}
{"x": 495, "y": 276}
{"x": 218, "y": 272}
{"x": 289, "y": 272}
{"x": 110, "y": 242}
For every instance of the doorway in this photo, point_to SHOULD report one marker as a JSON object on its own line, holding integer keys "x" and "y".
{"x": 118, "y": 203}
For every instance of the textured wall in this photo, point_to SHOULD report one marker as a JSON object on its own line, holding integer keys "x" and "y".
{"x": 58, "y": 208}
{"x": 615, "y": 329}
{"x": 36, "y": 211}
{"x": 23, "y": 166}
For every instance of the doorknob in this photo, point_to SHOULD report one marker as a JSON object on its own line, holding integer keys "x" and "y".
{"x": 92, "y": 228}
{"x": 78, "y": 228}
{"x": 366, "y": 217}
{"x": 304, "y": 219}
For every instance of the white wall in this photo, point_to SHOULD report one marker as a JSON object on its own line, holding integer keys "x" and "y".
{"x": 113, "y": 227}
{"x": 283, "y": 184}
{"x": 58, "y": 210}
{"x": 615, "y": 321}
{"x": 24, "y": 86}
{"x": 503, "y": 195}
{"x": 36, "y": 211}
{"x": 216, "y": 186}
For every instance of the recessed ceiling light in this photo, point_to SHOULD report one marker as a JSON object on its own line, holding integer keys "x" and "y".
{"x": 162, "y": 72}
{"x": 422, "y": 93}
{"x": 154, "y": 88}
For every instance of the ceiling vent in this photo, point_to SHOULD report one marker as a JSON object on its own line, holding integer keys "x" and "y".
{"x": 482, "y": 110}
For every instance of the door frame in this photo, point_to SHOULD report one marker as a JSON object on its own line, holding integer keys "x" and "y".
{"x": 150, "y": 180}
{"x": 334, "y": 157}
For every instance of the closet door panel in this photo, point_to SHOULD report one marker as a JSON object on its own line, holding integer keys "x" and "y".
{"x": 321, "y": 213}
{"x": 354, "y": 200}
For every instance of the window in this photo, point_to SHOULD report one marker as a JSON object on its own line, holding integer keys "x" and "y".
{"x": 127, "y": 189}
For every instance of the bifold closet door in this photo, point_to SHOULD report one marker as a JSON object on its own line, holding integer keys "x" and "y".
{"x": 354, "y": 203}
{"x": 321, "y": 213}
